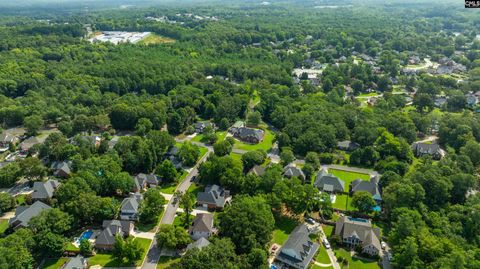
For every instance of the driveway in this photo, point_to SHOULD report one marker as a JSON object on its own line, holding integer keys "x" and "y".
{"x": 330, "y": 252}
{"x": 154, "y": 252}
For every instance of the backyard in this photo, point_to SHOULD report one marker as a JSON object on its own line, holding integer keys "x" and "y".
{"x": 108, "y": 260}
{"x": 341, "y": 202}
{"x": 348, "y": 176}
{"x": 354, "y": 262}
{"x": 220, "y": 137}
{"x": 283, "y": 227}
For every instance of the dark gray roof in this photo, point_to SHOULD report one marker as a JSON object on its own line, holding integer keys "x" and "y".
{"x": 200, "y": 243}
{"x": 346, "y": 227}
{"x": 6, "y": 137}
{"x": 368, "y": 186}
{"x": 424, "y": 148}
{"x": 328, "y": 182}
{"x": 146, "y": 178}
{"x": 29, "y": 142}
{"x": 213, "y": 194}
{"x": 110, "y": 229}
{"x": 347, "y": 145}
{"x": 131, "y": 203}
{"x": 78, "y": 262}
{"x": 244, "y": 132}
{"x": 23, "y": 214}
{"x": 202, "y": 223}
{"x": 293, "y": 171}
{"x": 61, "y": 166}
{"x": 298, "y": 250}
{"x": 44, "y": 190}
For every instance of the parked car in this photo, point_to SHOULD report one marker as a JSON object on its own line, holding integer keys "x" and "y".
{"x": 310, "y": 220}
{"x": 384, "y": 245}
{"x": 326, "y": 243}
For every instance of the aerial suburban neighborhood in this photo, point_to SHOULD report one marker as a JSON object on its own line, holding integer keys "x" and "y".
{"x": 289, "y": 134}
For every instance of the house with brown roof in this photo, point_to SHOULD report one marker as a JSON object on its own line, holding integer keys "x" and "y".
{"x": 202, "y": 226}
{"x": 111, "y": 228}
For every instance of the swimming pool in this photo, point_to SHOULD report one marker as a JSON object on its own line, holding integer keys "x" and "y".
{"x": 85, "y": 235}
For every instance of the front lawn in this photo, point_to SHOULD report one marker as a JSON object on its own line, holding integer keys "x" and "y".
{"x": 21, "y": 199}
{"x": 180, "y": 220}
{"x": 3, "y": 225}
{"x": 165, "y": 262}
{"x": 353, "y": 262}
{"x": 266, "y": 144}
{"x": 108, "y": 260}
{"x": 328, "y": 230}
{"x": 283, "y": 227}
{"x": 71, "y": 248}
{"x": 54, "y": 263}
{"x": 237, "y": 157}
{"x": 195, "y": 188}
{"x": 322, "y": 256}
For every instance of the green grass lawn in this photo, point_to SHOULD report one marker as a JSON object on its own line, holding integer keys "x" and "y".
{"x": 71, "y": 247}
{"x": 180, "y": 220}
{"x": 283, "y": 227}
{"x": 365, "y": 95}
{"x": 328, "y": 230}
{"x": 348, "y": 176}
{"x": 341, "y": 202}
{"x": 54, "y": 263}
{"x": 220, "y": 137}
{"x": 166, "y": 262}
{"x": 266, "y": 144}
{"x": 355, "y": 263}
{"x": 236, "y": 157}
{"x": 314, "y": 266}
{"x": 155, "y": 39}
{"x": 3, "y": 225}
{"x": 195, "y": 188}
{"x": 203, "y": 151}
{"x": 169, "y": 188}
{"x": 322, "y": 256}
{"x": 108, "y": 260}
{"x": 20, "y": 199}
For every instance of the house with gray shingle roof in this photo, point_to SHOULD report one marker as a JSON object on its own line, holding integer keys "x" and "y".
{"x": 202, "y": 226}
{"x": 61, "y": 169}
{"x": 434, "y": 150}
{"x": 23, "y": 214}
{"x": 214, "y": 197}
{"x": 129, "y": 209}
{"x": 368, "y": 186}
{"x": 291, "y": 170}
{"x": 201, "y": 126}
{"x": 78, "y": 262}
{"x": 5, "y": 140}
{"x": 328, "y": 182}
{"x": 248, "y": 135}
{"x": 42, "y": 191}
{"x": 111, "y": 228}
{"x": 27, "y": 144}
{"x": 258, "y": 170}
{"x": 142, "y": 181}
{"x": 347, "y": 145}
{"x": 199, "y": 244}
{"x": 357, "y": 231}
{"x": 298, "y": 251}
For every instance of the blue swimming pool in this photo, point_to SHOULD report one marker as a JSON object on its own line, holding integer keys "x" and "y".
{"x": 85, "y": 235}
{"x": 273, "y": 267}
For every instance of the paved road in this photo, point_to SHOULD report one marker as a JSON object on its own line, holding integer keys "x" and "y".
{"x": 154, "y": 252}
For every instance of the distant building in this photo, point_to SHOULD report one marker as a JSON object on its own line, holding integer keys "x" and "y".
{"x": 202, "y": 226}
{"x": 248, "y": 135}
{"x": 434, "y": 150}
{"x": 329, "y": 183}
{"x": 27, "y": 144}
{"x": 214, "y": 197}
{"x": 61, "y": 169}
{"x": 43, "y": 191}
{"x": 298, "y": 251}
{"x": 347, "y": 145}
{"x": 201, "y": 126}
{"x": 23, "y": 214}
{"x": 356, "y": 231}
{"x": 111, "y": 228}
{"x": 291, "y": 170}
{"x": 199, "y": 244}
{"x": 129, "y": 209}
{"x": 143, "y": 181}
{"x": 6, "y": 140}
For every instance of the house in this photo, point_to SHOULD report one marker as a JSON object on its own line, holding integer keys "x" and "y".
{"x": 172, "y": 155}
{"x": 440, "y": 101}
{"x": 61, "y": 169}
{"x": 43, "y": 191}
{"x": 111, "y": 228}
{"x": 356, "y": 231}
{"x": 130, "y": 206}
{"x": 368, "y": 186}
{"x": 27, "y": 144}
{"x": 258, "y": 170}
{"x": 23, "y": 214}
{"x": 202, "y": 226}
{"x": 434, "y": 150}
{"x": 142, "y": 181}
{"x": 347, "y": 145}
{"x": 201, "y": 126}
{"x": 214, "y": 197}
{"x": 328, "y": 182}
{"x": 113, "y": 142}
{"x": 248, "y": 135}
{"x": 6, "y": 140}
{"x": 78, "y": 262}
{"x": 298, "y": 251}
{"x": 472, "y": 99}
{"x": 199, "y": 244}
{"x": 92, "y": 140}
{"x": 291, "y": 170}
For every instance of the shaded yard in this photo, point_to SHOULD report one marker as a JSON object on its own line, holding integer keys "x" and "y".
{"x": 165, "y": 262}
{"x": 283, "y": 227}
{"x": 54, "y": 263}
{"x": 3, "y": 225}
{"x": 108, "y": 260}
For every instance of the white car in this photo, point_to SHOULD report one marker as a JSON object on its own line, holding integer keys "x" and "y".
{"x": 325, "y": 242}
{"x": 384, "y": 245}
